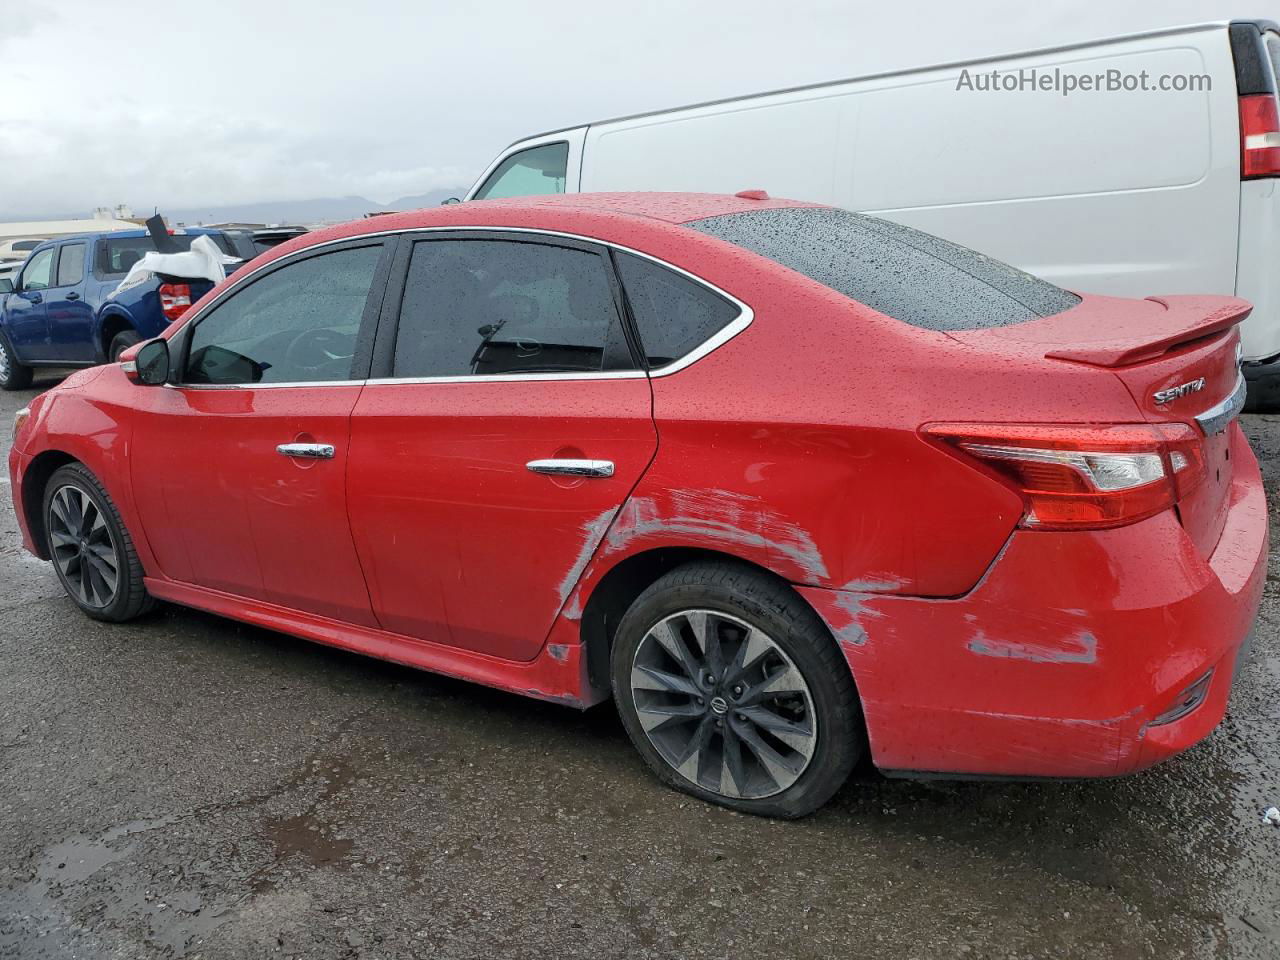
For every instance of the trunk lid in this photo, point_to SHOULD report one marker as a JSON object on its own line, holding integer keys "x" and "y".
{"x": 1177, "y": 357}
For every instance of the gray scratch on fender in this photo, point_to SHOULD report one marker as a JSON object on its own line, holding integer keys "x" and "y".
{"x": 1080, "y": 648}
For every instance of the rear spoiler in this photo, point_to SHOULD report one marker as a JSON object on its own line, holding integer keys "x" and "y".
{"x": 1186, "y": 321}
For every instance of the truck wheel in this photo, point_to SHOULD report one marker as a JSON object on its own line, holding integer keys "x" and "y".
{"x": 121, "y": 342}
{"x": 13, "y": 375}
{"x": 733, "y": 690}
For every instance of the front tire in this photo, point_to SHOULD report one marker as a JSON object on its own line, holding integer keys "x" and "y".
{"x": 91, "y": 550}
{"x": 121, "y": 342}
{"x": 733, "y": 690}
{"x": 13, "y": 375}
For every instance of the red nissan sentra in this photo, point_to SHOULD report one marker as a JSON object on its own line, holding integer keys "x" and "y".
{"x": 786, "y": 482}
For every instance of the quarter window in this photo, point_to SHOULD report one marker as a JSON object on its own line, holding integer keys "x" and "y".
{"x": 39, "y": 271}
{"x": 674, "y": 314}
{"x": 528, "y": 173}
{"x": 490, "y": 307}
{"x": 297, "y": 324}
{"x": 71, "y": 265}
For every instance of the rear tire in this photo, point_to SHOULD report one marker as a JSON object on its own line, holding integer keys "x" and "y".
{"x": 733, "y": 690}
{"x": 121, "y": 342}
{"x": 13, "y": 375}
{"x": 91, "y": 550}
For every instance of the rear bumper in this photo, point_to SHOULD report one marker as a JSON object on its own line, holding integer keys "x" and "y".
{"x": 1060, "y": 661}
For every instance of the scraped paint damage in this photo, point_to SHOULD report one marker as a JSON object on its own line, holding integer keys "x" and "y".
{"x": 1081, "y": 647}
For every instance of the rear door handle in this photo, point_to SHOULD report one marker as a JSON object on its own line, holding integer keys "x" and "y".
{"x": 308, "y": 451}
{"x": 572, "y": 468}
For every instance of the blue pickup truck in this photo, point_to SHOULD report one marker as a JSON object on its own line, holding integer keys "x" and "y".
{"x": 57, "y": 311}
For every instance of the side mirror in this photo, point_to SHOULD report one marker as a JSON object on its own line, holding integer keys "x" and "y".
{"x": 147, "y": 363}
{"x": 6, "y": 285}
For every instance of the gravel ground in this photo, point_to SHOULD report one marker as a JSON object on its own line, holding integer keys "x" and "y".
{"x": 190, "y": 787}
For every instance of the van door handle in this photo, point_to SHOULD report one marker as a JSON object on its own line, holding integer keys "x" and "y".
{"x": 73, "y": 295}
{"x": 308, "y": 451}
{"x": 572, "y": 468}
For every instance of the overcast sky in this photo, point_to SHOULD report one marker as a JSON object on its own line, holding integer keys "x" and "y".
{"x": 184, "y": 104}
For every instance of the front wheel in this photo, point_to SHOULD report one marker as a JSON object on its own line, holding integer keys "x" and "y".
{"x": 90, "y": 547}
{"x": 733, "y": 690}
{"x": 13, "y": 375}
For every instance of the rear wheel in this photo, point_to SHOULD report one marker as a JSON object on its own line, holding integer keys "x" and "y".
{"x": 13, "y": 375}
{"x": 732, "y": 690}
{"x": 90, "y": 548}
{"x": 121, "y": 342}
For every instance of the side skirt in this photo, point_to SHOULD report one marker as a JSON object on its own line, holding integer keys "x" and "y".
{"x": 557, "y": 674}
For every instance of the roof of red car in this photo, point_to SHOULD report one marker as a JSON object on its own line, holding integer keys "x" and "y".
{"x": 585, "y": 213}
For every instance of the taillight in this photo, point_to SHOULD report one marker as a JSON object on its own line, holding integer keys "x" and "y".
{"x": 175, "y": 298}
{"x": 1259, "y": 136}
{"x": 1073, "y": 477}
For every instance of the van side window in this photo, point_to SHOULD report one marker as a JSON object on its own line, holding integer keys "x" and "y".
{"x": 71, "y": 265}
{"x": 528, "y": 173}
{"x": 674, "y": 314}
{"x": 493, "y": 307}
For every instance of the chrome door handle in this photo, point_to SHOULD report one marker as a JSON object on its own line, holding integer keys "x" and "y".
{"x": 309, "y": 451}
{"x": 572, "y": 468}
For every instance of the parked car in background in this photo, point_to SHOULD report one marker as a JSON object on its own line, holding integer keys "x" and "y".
{"x": 9, "y": 270}
{"x": 247, "y": 243}
{"x": 18, "y": 250}
{"x": 786, "y": 482}
{"x": 57, "y": 313}
{"x": 1183, "y": 179}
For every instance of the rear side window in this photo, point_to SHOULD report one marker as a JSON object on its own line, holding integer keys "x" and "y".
{"x": 911, "y": 276}
{"x": 528, "y": 173}
{"x": 71, "y": 265}
{"x": 491, "y": 307}
{"x": 673, "y": 314}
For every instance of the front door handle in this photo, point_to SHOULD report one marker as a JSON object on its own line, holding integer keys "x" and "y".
{"x": 308, "y": 451}
{"x": 73, "y": 295}
{"x": 572, "y": 468}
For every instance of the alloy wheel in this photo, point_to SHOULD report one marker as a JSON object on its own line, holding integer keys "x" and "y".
{"x": 83, "y": 548}
{"x": 723, "y": 704}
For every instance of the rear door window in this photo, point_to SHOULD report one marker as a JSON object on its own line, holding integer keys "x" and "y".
{"x": 71, "y": 265}
{"x": 911, "y": 276}
{"x": 673, "y": 314}
{"x": 538, "y": 170}
{"x": 499, "y": 307}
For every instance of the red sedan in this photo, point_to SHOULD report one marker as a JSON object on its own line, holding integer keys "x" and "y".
{"x": 788, "y": 483}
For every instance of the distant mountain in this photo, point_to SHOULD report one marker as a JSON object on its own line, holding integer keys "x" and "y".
{"x": 315, "y": 210}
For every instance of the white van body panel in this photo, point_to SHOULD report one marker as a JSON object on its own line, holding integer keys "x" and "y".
{"x": 1131, "y": 193}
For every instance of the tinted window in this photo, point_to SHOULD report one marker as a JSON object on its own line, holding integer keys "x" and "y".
{"x": 39, "y": 271}
{"x": 296, "y": 324}
{"x": 71, "y": 265}
{"x": 912, "y": 276}
{"x": 673, "y": 313}
{"x": 26, "y": 244}
{"x": 528, "y": 173}
{"x": 485, "y": 307}
{"x": 118, "y": 254}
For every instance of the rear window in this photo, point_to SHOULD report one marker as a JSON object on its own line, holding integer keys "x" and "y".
{"x": 911, "y": 276}
{"x": 118, "y": 254}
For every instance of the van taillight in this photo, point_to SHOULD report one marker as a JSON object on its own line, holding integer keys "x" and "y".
{"x": 1259, "y": 136}
{"x": 175, "y": 298}
{"x": 1083, "y": 477}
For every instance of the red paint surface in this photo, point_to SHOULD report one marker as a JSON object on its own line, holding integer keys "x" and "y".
{"x": 977, "y": 646}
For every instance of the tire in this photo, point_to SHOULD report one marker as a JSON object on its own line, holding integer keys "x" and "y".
{"x": 121, "y": 342}
{"x": 13, "y": 375}
{"x": 81, "y": 520}
{"x": 766, "y": 635}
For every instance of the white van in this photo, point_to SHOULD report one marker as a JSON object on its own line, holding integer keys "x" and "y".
{"x": 1138, "y": 165}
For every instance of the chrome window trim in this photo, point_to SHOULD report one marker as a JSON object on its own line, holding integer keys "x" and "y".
{"x": 726, "y": 333}
{"x": 1217, "y": 417}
